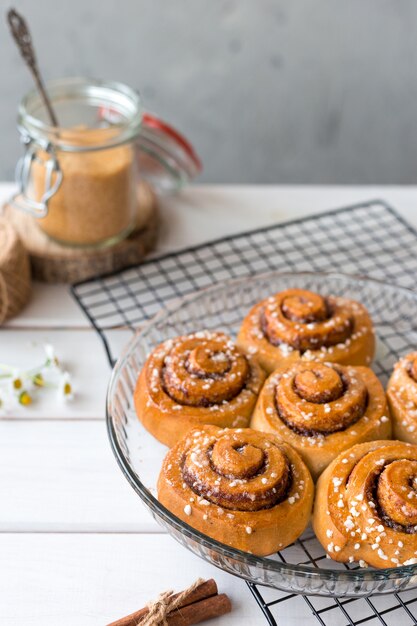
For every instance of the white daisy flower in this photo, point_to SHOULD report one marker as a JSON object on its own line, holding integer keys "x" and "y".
{"x": 65, "y": 387}
{"x": 16, "y": 381}
{"x": 25, "y": 399}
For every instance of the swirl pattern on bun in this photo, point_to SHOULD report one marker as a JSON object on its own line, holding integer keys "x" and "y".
{"x": 239, "y": 486}
{"x": 322, "y": 409}
{"x": 194, "y": 380}
{"x": 297, "y": 323}
{"x": 366, "y": 505}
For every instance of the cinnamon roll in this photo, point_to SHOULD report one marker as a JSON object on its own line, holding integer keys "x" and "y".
{"x": 193, "y": 380}
{"x": 297, "y": 324}
{"x": 366, "y": 505}
{"x": 322, "y": 409}
{"x": 241, "y": 487}
{"x": 402, "y": 398}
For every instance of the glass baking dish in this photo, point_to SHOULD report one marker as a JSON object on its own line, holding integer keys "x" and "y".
{"x": 302, "y": 567}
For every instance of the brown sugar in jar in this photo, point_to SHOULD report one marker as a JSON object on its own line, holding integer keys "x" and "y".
{"x": 97, "y": 199}
{"x": 82, "y": 177}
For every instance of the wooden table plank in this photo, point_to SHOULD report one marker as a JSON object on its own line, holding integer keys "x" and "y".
{"x": 62, "y": 476}
{"x": 82, "y": 354}
{"x": 90, "y": 580}
{"x": 203, "y": 212}
{"x": 51, "y": 306}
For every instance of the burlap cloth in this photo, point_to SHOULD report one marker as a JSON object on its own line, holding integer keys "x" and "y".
{"x": 15, "y": 283}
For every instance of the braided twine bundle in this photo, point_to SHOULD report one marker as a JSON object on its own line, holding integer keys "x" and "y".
{"x": 15, "y": 284}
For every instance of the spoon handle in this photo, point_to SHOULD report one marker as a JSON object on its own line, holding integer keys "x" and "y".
{"x": 23, "y": 39}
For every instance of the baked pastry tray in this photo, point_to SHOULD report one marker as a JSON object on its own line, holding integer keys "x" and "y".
{"x": 364, "y": 239}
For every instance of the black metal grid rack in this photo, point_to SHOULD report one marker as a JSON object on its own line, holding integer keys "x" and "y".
{"x": 366, "y": 239}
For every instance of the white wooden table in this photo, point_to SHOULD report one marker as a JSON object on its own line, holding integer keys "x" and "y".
{"x": 76, "y": 545}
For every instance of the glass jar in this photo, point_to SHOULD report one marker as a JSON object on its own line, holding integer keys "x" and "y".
{"x": 80, "y": 180}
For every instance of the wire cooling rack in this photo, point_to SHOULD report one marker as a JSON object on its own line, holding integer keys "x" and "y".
{"x": 367, "y": 239}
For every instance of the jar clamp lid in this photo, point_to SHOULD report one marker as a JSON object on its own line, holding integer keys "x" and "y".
{"x": 167, "y": 160}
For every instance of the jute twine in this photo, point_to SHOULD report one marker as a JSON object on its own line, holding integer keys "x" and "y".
{"x": 15, "y": 284}
{"x": 165, "y": 604}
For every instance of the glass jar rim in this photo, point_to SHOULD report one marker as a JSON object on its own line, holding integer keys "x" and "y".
{"x": 106, "y": 94}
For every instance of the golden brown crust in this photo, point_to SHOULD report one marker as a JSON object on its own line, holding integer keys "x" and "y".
{"x": 366, "y": 505}
{"x": 296, "y": 324}
{"x": 241, "y": 487}
{"x": 402, "y": 398}
{"x": 194, "y": 380}
{"x": 322, "y": 409}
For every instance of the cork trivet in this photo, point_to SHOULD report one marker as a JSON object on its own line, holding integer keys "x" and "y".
{"x": 55, "y": 263}
{"x": 15, "y": 283}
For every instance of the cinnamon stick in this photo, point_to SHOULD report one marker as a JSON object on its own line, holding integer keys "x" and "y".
{"x": 216, "y": 606}
{"x": 206, "y": 590}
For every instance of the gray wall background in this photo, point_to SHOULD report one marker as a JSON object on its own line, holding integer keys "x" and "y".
{"x": 269, "y": 91}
